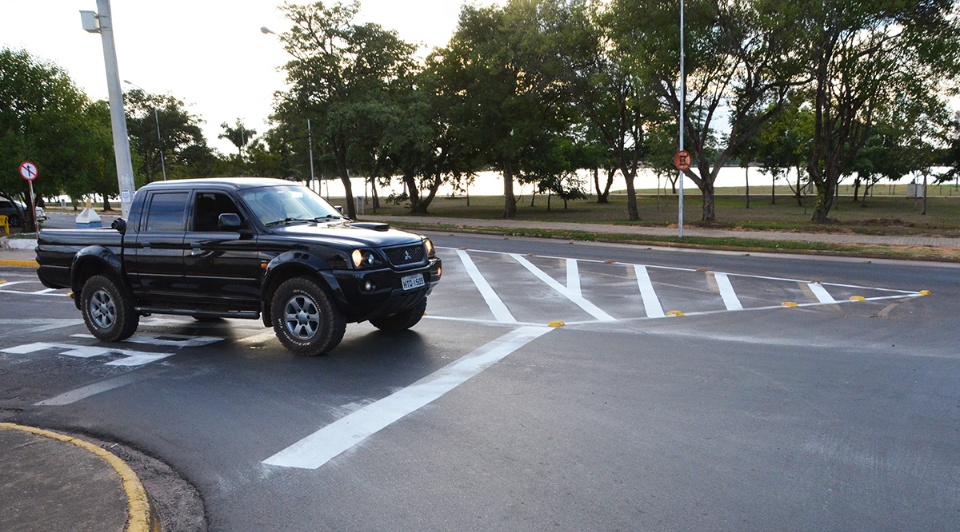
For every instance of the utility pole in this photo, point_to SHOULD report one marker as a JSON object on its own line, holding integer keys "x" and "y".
{"x": 102, "y": 23}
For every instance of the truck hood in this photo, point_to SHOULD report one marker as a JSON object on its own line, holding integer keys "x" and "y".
{"x": 349, "y": 235}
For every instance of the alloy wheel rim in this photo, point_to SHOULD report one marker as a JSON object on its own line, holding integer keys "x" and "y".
{"x": 103, "y": 310}
{"x": 301, "y": 317}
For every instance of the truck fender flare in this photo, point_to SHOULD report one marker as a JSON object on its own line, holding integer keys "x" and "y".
{"x": 93, "y": 260}
{"x": 295, "y": 263}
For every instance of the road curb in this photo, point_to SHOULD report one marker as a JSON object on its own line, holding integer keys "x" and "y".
{"x": 141, "y": 516}
{"x": 20, "y": 263}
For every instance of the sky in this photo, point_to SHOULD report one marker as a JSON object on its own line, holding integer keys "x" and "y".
{"x": 210, "y": 54}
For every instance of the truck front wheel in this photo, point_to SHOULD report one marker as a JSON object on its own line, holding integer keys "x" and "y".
{"x": 305, "y": 320}
{"x": 107, "y": 309}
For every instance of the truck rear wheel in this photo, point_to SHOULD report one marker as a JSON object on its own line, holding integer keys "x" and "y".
{"x": 401, "y": 321}
{"x": 107, "y": 309}
{"x": 305, "y": 320}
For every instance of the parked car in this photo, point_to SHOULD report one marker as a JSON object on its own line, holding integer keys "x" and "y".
{"x": 9, "y": 209}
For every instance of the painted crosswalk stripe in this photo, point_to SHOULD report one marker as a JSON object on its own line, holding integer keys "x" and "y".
{"x": 729, "y": 296}
{"x": 575, "y": 297}
{"x": 651, "y": 303}
{"x": 500, "y": 311}
{"x": 821, "y": 293}
{"x": 343, "y": 434}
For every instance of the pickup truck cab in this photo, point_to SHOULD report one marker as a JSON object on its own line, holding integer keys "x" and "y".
{"x": 242, "y": 248}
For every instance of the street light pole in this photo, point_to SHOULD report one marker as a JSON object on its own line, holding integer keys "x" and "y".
{"x": 267, "y": 31}
{"x": 683, "y": 98}
{"x": 163, "y": 163}
{"x": 102, "y": 23}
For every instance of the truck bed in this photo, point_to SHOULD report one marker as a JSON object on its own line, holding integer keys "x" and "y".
{"x": 56, "y": 249}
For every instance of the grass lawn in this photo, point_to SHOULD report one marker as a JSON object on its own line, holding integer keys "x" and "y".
{"x": 883, "y": 214}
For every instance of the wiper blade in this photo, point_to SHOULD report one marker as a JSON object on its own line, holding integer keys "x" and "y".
{"x": 287, "y": 221}
{"x": 327, "y": 217}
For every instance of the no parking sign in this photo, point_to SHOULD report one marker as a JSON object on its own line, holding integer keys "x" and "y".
{"x": 29, "y": 171}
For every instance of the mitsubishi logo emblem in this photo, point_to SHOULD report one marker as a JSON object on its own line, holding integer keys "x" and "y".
{"x": 406, "y": 255}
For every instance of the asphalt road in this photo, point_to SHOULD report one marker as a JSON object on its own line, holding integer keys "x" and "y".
{"x": 681, "y": 393}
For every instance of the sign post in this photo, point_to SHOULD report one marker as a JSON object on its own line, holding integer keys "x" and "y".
{"x": 28, "y": 171}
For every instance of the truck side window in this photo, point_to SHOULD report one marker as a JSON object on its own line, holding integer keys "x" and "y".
{"x": 167, "y": 211}
{"x": 209, "y": 207}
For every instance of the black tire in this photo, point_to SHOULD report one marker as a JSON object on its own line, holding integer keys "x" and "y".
{"x": 108, "y": 310}
{"x": 401, "y": 321}
{"x": 305, "y": 320}
{"x": 14, "y": 220}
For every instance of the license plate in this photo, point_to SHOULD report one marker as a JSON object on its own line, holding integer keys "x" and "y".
{"x": 412, "y": 281}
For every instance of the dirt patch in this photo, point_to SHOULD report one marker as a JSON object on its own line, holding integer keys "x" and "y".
{"x": 885, "y": 222}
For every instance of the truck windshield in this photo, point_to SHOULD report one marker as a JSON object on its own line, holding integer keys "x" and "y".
{"x": 276, "y": 205}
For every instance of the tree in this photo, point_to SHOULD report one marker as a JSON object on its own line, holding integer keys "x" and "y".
{"x": 865, "y": 59}
{"x": 740, "y": 62}
{"x": 784, "y": 143}
{"x": 181, "y": 147}
{"x": 504, "y": 102}
{"x": 615, "y": 106}
{"x": 341, "y": 74}
{"x": 240, "y": 135}
{"x": 46, "y": 119}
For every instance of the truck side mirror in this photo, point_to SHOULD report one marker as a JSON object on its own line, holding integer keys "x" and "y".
{"x": 229, "y": 221}
{"x": 120, "y": 225}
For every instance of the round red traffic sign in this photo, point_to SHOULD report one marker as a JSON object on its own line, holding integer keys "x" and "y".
{"x": 682, "y": 160}
{"x": 28, "y": 170}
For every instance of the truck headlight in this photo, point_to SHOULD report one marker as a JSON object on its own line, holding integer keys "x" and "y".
{"x": 364, "y": 258}
{"x": 429, "y": 245}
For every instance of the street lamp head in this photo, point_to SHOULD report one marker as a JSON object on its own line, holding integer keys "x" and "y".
{"x": 90, "y": 21}
{"x": 265, "y": 30}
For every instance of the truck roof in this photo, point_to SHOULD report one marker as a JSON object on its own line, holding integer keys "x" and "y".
{"x": 232, "y": 182}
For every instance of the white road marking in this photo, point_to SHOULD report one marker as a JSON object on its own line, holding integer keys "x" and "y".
{"x": 500, "y": 311}
{"x": 5, "y": 288}
{"x": 18, "y": 326}
{"x": 325, "y": 444}
{"x": 576, "y": 298}
{"x": 729, "y": 296}
{"x": 821, "y": 293}
{"x": 573, "y": 277}
{"x": 89, "y": 391}
{"x": 651, "y": 303}
{"x": 169, "y": 340}
{"x": 131, "y": 357}
{"x": 258, "y": 338}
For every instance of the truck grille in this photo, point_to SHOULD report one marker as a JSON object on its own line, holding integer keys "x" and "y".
{"x": 406, "y": 255}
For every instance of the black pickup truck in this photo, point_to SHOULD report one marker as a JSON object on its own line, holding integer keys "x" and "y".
{"x": 242, "y": 248}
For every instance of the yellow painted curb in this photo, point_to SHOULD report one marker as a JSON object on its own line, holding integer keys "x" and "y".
{"x": 140, "y": 516}
{"x": 19, "y": 263}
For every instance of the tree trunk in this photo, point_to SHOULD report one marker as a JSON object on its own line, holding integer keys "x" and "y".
{"x": 509, "y": 199}
{"x": 709, "y": 213}
{"x": 824, "y": 202}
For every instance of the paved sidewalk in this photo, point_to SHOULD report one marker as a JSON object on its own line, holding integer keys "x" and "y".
{"x": 52, "y": 481}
